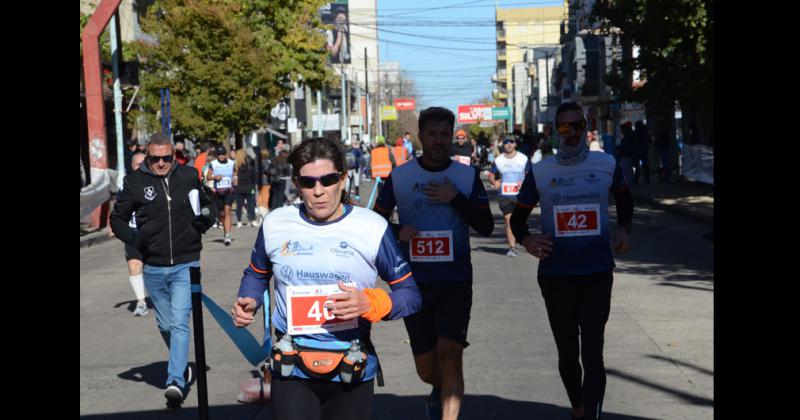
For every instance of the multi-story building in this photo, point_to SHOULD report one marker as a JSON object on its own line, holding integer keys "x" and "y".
{"x": 518, "y": 30}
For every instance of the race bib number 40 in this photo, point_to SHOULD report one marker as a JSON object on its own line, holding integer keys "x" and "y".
{"x": 510, "y": 188}
{"x": 432, "y": 246}
{"x": 306, "y": 312}
{"x": 577, "y": 220}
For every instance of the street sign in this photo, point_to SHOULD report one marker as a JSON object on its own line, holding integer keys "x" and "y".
{"x": 388, "y": 113}
{"x": 470, "y": 114}
{"x": 501, "y": 113}
{"x": 405, "y": 104}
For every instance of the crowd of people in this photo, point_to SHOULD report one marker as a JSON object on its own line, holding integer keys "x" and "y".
{"x": 324, "y": 252}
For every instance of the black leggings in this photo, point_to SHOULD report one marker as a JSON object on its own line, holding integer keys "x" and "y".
{"x": 579, "y": 306}
{"x": 304, "y": 399}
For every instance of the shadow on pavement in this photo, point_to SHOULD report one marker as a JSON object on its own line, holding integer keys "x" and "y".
{"x": 154, "y": 374}
{"x": 684, "y": 364}
{"x": 693, "y": 399}
{"x": 386, "y": 407}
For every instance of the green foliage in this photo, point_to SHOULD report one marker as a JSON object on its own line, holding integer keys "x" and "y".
{"x": 226, "y": 62}
{"x": 675, "y": 55}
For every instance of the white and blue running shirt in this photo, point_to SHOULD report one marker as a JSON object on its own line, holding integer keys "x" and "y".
{"x": 225, "y": 170}
{"x": 300, "y": 253}
{"x": 445, "y": 257}
{"x": 511, "y": 172}
{"x": 574, "y": 203}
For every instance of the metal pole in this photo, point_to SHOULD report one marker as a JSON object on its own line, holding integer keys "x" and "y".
{"x": 319, "y": 113}
{"x": 199, "y": 346}
{"x": 115, "y": 59}
{"x": 366, "y": 84}
{"x": 343, "y": 108}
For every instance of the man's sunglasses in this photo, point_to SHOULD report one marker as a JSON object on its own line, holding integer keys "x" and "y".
{"x": 311, "y": 181}
{"x": 154, "y": 159}
{"x": 563, "y": 128}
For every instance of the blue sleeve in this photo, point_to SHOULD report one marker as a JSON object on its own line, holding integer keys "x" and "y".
{"x": 386, "y": 201}
{"x": 528, "y": 166}
{"x": 618, "y": 181}
{"x": 255, "y": 279}
{"x": 394, "y": 269}
{"x": 494, "y": 169}
{"x": 475, "y": 209}
{"x": 528, "y": 194}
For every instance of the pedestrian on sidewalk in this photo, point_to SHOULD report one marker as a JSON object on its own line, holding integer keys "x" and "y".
{"x": 168, "y": 235}
{"x": 641, "y": 162}
{"x": 574, "y": 252}
{"x": 627, "y": 151}
{"x": 245, "y": 189}
{"x": 324, "y": 362}
{"x": 437, "y": 201}
{"x": 134, "y": 257}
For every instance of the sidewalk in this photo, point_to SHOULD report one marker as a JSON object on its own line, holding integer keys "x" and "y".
{"x": 692, "y": 200}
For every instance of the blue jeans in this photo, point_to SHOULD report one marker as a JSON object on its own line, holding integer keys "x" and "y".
{"x": 170, "y": 292}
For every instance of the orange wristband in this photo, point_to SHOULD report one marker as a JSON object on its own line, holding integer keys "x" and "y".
{"x": 380, "y": 304}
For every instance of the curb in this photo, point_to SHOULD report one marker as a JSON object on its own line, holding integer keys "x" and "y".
{"x": 95, "y": 238}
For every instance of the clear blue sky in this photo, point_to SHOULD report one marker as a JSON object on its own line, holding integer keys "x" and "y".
{"x": 454, "y": 52}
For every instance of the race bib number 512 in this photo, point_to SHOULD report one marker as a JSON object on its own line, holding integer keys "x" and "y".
{"x": 577, "y": 220}
{"x": 306, "y": 312}
{"x": 432, "y": 246}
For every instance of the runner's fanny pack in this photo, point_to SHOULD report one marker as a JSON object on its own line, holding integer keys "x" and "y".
{"x": 318, "y": 363}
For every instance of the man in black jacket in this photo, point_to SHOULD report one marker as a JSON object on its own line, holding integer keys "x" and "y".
{"x": 172, "y": 212}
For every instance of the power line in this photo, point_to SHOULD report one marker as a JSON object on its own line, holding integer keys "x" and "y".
{"x": 434, "y": 8}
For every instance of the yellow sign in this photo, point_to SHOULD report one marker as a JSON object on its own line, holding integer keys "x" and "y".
{"x": 388, "y": 112}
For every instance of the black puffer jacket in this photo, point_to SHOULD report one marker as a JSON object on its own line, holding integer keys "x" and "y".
{"x": 168, "y": 233}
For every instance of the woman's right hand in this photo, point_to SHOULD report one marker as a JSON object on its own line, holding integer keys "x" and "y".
{"x": 244, "y": 310}
{"x": 540, "y": 246}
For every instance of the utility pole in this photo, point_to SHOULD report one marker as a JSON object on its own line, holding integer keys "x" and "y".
{"x": 366, "y": 86}
{"x": 343, "y": 107}
{"x": 116, "y": 57}
{"x": 319, "y": 113}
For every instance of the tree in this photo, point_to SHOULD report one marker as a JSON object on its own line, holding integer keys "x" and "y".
{"x": 226, "y": 62}
{"x": 675, "y": 58}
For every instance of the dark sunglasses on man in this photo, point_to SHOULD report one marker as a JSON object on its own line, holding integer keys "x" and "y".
{"x": 563, "y": 128}
{"x": 152, "y": 160}
{"x": 326, "y": 180}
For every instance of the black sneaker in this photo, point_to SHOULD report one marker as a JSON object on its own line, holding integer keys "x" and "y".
{"x": 174, "y": 393}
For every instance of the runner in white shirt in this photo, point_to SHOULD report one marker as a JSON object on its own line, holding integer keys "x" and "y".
{"x": 506, "y": 175}
{"x": 325, "y": 257}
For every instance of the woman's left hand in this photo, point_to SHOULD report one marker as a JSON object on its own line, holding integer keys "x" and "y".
{"x": 351, "y": 303}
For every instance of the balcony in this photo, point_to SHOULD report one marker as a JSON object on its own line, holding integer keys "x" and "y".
{"x": 499, "y": 93}
{"x": 501, "y": 35}
{"x": 501, "y": 54}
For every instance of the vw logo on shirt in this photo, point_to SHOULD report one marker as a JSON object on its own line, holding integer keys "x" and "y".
{"x": 286, "y": 272}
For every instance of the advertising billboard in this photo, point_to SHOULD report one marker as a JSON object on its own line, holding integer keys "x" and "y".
{"x": 337, "y": 39}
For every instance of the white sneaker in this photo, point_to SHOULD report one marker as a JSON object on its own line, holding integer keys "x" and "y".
{"x": 255, "y": 223}
{"x": 238, "y": 225}
{"x": 141, "y": 309}
{"x": 227, "y": 240}
{"x": 512, "y": 252}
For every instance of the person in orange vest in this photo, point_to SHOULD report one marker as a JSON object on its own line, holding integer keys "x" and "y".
{"x": 400, "y": 152}
{"x": 201, "y": 160}
{"x": 381, "y": 161}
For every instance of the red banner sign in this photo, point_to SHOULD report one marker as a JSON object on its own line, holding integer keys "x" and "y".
{"x": 405, "y": 104}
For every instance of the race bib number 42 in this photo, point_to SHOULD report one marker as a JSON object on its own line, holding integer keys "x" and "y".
{"x": 306, "y": 312}
{"x": 577, "y": 220}
{"x": 432, "y": 246}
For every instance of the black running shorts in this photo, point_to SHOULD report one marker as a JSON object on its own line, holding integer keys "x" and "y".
{"x": 445, "y": 312}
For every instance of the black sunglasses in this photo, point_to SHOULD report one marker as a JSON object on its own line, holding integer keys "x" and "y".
{"x": 326, "y": 180}
{"x": 154, "y": 159}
